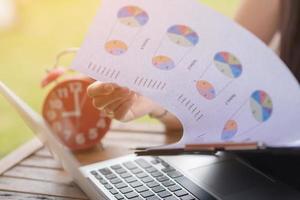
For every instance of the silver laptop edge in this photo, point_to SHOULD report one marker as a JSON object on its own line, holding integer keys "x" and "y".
{"x": 37, "y": 124}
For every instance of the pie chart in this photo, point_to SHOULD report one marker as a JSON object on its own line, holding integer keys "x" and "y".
{"x": 228, "y": 64}
{"x": 229, "y": 130}
{"x": 116, "y": 47}
{"x": 261, "y": 105}
{"x": 206, "y": 89}
{"x": 183, "y": 35}
{"x": 133, "y": 16}
{"x": 163, "y": 62}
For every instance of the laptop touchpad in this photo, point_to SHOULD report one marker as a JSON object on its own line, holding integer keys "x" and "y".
{"x": 228, "y": 177}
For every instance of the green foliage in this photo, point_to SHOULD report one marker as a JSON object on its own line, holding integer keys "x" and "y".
{"x": 41, "y": 30}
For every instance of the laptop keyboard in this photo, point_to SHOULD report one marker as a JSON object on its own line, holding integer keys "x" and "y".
{"x": 140, "y": 179}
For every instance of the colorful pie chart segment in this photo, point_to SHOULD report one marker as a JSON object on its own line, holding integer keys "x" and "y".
{"x": 133, "y": 16}
{"x": 206, "y": 89}
{"x": 116, "y": 47}
{"x": 183, "y": 35}
{"x": 261, "y": 105}
{"x": 229, "y": 131}
{"x": 228, "y": 64}
{"x": 163, "y": 62}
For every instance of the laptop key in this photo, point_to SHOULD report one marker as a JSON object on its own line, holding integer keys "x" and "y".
{"x": 171, "y": 198}
{"x": 108, "y": 186}
{"x": 137, "y": 198}
{"x": 121, "y": 185}
{"x": 165, "y": 164}
{"x": 135, "y": 184}
{"x": 147, "y": 194}
{"x": 187, "y": 197}
{"x": 126, "y": 190}
{"x": 130, "y": 179}
{"x": 156, "y": 174}
{"x": 115, "y": 181}
{"x": 151, "y": 170}
{"x": 115, "y": 167}
{"x": 164, "y": 194}
{"x": 141, "y": 189}
{"x": 174, "y": 188}
{"x": 131, "y": 195}
{"x": 98, "y": 176}
{"x": 119, "y": 197}
{"x": 94, "y": 173}
{"x": 153, "y": 198}
{"x": 152, "y": 184}
{"x": 113, "y": 191}
{"x": 120, "y": 171}
{"x": 168, "y": 183}
{"x": 193, "y": 188}
{"x": 102, "y": 181}
{"x": 155, "y": 161}
{"x": 105, "y": 171}
{"x": 110, "y": 176}
{"x": 142, "y": 175}
{"x": 147, "y": 179}
{"x": 130, "y": 165}
{"x": 168, "y": 169}
{"x": 174, "y": 174}
{"x": 143, "y": 163}
{"x": 180, "y": 193}
{"x": 162, "y": 178}
{"x": 136, "y": 171}
{"x": 125, "y": 175}
{"x": 158, "y": 189}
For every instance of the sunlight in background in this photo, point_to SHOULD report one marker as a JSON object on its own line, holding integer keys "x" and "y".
{"x": 7, "y": 13}
{"x": 31, "y": 33}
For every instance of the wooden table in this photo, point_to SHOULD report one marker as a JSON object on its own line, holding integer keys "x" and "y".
{"x": 30, "y": 172}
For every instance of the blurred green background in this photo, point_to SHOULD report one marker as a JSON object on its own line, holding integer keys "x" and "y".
{"x": 31, "y": 33}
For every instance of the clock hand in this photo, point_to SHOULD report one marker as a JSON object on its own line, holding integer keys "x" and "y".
{"x": 83, "y": 101}
{"x": 75, "y": 89}
{"x": 77, "y": 104}
{"x": 76, "y": 112}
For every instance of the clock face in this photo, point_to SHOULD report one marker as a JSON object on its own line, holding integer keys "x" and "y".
{"x": 72, "y": 116}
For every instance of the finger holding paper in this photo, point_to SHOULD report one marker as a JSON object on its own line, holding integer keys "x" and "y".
{"x": 120, "y": 102}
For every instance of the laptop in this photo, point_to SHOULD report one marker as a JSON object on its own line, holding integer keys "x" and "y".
{"x": 181, "y": 177}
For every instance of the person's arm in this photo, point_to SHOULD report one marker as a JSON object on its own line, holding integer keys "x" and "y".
{"x": 260, "y": 17}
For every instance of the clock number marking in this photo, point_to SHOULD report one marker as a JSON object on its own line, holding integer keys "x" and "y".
{"x": 63, "y": 93}
{"x": 93, "y": 133}
{"x": 79, "y": 138}
{"x": 56, "y": 104}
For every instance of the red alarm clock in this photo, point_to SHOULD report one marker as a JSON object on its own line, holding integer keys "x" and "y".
{"x": 70, "y": 112}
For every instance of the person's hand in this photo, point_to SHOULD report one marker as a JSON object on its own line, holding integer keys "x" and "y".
{"x": 119, "y": 102}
